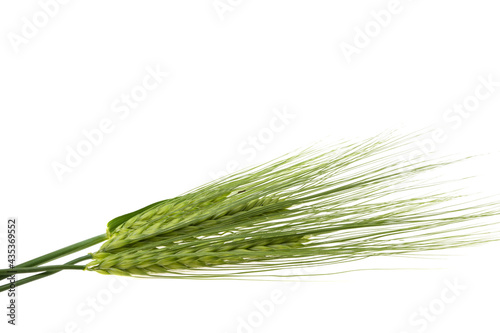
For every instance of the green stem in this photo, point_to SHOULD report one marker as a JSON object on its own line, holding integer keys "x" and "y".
{"x": 21, "y": 270}
{"x": 42, "y": 275}
{"x": 59, "y": 253}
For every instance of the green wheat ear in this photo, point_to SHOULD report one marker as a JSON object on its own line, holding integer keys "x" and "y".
{"x": 317, "y": 206}
{"x": 322, "y": 205}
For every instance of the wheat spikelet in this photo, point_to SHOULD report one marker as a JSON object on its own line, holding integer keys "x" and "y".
{"x": 171, "y": 219}
{"x": 157, "y": 261}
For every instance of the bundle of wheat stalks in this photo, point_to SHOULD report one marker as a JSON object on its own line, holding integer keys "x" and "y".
{"x": 317, "y": 206}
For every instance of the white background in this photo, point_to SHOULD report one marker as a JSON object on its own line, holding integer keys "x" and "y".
{"x": 229, "y": 73}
